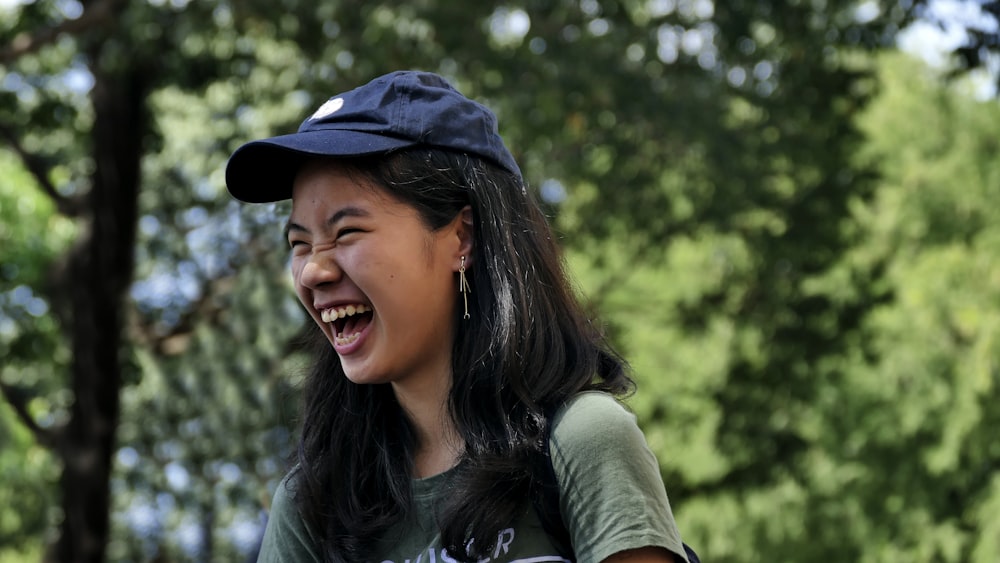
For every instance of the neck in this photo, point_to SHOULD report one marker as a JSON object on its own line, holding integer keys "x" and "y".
{"x": 439, "y": 445}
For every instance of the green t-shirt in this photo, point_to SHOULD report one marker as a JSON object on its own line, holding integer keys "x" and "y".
{"x": 611, "y": 497}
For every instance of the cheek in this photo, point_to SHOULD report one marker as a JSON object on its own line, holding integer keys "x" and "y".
{"x": 296, "y": 271}
{"x": 296, "y": 264}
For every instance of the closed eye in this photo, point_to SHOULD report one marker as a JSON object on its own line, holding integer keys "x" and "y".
{"x": 347, "y": 231}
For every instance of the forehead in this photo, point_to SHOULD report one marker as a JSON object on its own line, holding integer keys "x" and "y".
{"x": 326, "y": 191}
{"x": 325, "y": 182}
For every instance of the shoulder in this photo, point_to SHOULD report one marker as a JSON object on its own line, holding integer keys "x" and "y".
{"x": 595, "y": 403}
{"x": 594, "y": 419}
{"x": 283, "y": 500}
{"x": 286, "y": 537}
{"x": 611, "y": 493}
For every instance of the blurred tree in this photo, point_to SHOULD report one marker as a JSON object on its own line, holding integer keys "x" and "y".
{"x": 981, "y": 50}
{"x": 667, "y": 127}
{"x": 921, "y": 394}
{"x": 32, "y": 234}
{"x": 899, "y": 459}
{"x": 78, "y": 108}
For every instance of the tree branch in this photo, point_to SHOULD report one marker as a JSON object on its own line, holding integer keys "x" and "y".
{"x": 18, "y": 400}
{"x": 174, "y": 340}
{"x": 38, "y": 168}
{"x": 96, "y": 14}
{"x": 207, "y": 308}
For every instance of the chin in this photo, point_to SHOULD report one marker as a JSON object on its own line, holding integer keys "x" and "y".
{"x": 361, "y": 374}
{"x": 362, "y": 378}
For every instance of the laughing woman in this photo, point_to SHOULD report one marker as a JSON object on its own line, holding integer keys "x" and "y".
{"x": 460, "y": 406}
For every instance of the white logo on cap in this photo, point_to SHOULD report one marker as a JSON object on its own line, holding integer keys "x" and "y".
{"x": 328, "y": 107}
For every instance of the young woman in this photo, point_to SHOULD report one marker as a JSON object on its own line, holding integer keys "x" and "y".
{"x": 457, "y": 384}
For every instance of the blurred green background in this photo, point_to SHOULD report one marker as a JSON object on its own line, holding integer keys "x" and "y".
{"x": 783, "y": 212}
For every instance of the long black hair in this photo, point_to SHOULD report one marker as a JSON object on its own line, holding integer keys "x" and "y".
{"x": 527, "y": 348}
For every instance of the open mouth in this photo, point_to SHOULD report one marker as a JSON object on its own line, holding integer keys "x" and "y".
{"x": 348, "y": 322}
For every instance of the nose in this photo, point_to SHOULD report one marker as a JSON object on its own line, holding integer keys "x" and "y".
{"x": 319, "y": 270}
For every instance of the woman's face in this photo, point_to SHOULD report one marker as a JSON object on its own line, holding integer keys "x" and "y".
{"x": 379, "y": 283}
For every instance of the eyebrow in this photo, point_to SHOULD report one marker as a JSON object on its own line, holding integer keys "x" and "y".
{"x": 349, "y": 211}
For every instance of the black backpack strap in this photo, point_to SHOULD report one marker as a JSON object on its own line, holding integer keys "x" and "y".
{"x": 545, "y": 498}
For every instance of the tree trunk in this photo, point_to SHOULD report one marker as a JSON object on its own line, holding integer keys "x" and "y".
{"x": 99, "y": 274}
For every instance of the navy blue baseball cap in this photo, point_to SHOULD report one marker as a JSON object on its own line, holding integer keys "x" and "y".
{"x": 395, "y": 111}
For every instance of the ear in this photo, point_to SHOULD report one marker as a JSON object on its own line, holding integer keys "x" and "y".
{"x": 465, "y": 231}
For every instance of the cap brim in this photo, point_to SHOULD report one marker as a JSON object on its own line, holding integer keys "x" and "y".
{"x": 263, "y": 171}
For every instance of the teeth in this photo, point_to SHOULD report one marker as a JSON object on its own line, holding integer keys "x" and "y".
{"x": 330, "y": 315}
{"x": 342, "y": 340}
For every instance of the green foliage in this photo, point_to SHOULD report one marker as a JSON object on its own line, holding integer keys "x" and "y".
{"x": 898, "y": 457}
{"x": 926, "y": 385}
{"x": 31, "y": 236}
{"x": 203, "y": 465}
{"x": 28, "y": 473}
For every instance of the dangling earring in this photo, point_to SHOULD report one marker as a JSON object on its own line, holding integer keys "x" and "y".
{"x": 463, "y": 287}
